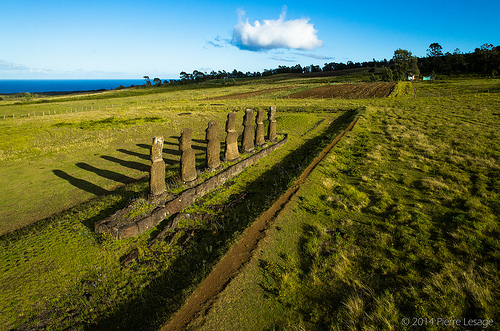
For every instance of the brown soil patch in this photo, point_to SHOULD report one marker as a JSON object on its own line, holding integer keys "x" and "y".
{"x": 347, "y": 91}
{"x": 240, "y": 253}
{"x": 248, "y": 94}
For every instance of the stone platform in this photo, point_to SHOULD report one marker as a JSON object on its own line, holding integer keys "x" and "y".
{"x": 167, "y": 205}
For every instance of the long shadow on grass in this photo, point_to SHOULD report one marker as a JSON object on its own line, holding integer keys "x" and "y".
{"x": 128, "y": 164}
{"x": 139, "y": 155}
{"x": 155, "y": 304}
{"x": 115, "y": 176}
{"x": 80, "y": 183}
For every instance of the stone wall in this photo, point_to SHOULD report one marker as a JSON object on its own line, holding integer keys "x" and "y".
{"x": 165, "y": 204}
{"x": 113, "y": 226}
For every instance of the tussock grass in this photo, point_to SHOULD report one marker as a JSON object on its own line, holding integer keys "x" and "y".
{"x": 409, "y": 247}
{"x": 400, "y": 220}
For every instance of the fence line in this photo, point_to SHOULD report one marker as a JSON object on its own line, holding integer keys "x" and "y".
{"x": 112, "y": 106}
{"x": 82, "y": 109}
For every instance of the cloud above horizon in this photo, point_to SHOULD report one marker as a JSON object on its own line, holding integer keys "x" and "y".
{"x": 315, "y": 56}
{"x": 218, "y": 42}
{"x": 272, "y": 34}
{"x": 12, "y": 66}
{"x": 9, "y": 66}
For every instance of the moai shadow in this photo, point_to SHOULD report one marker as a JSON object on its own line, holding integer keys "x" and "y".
{"x": 213, "y": 145}
{"x": 157, "y": 174}
{"x": 247, "y": 141}
{"x": 188, "y": 159}
{"x": 232, "y": 152}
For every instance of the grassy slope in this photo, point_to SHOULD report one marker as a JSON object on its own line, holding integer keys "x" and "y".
{"x": 400, "y": 220}
{"x": 68, "y": 158}
{"x": 59, "y": 274}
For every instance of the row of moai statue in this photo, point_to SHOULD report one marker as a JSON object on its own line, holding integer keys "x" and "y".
{"x": 251, "y": 137}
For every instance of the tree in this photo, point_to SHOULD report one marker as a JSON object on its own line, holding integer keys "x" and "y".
{"x": 297, "y": 69}
{"x": 157, "y": 81}
{"x": 315, "y": 68}
{"x": 198, "y": 76}
{"x": 435, "y": 59}
{"x": 148, "y": 82}
{"x": 405, "y": 64}
{"x": 434, "y": 50}
{"x": 388, "y": 75}
{"x": 27, "y": 95}
{"x": 185, "y": 77}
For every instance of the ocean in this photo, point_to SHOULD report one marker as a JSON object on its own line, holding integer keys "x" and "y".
{"x": 63, "y": 85}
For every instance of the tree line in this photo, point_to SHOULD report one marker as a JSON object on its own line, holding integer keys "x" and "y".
{"x": 485, "y": 60}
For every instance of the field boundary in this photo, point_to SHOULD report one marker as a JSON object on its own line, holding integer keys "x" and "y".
{"x": 241, "y": 252}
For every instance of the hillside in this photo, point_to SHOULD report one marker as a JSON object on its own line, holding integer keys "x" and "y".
{"x": 399, "y": 220}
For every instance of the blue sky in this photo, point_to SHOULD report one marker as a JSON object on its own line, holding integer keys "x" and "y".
{"x": 161, "y": 38}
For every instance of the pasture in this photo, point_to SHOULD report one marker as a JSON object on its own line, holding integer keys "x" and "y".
{"x": 415, "y": 186}
{"x": 397, "y": 228}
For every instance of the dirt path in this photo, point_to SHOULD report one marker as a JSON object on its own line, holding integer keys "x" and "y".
{"x": 240, "y": 253}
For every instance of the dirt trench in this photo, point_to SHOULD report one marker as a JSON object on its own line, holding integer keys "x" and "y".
{"x": 228, "y": 267}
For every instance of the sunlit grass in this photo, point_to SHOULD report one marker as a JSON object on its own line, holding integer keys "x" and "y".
{"x": 399, "y": 220}
{"x": 90, "y": 284}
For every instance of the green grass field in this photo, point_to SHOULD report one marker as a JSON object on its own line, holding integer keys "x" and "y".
{"x": 400, "y": 220}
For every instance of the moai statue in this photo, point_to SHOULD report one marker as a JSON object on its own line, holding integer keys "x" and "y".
{"x": 157, "y": 175}
{"x": 188, "y": 160}
{"x": 247, "y": 141}
{"x": 231, "y": 138}
{"x": 259, "y": 133}
{"x": 213, "y": 145}
{"x": 271, "y": 132}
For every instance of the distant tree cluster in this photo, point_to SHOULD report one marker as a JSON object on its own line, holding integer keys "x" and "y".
{"x": 198, "y": 76}
{"x": 403, "y": 65}
{"x": 28, "y": 95}
{"x": 485, "y": 60}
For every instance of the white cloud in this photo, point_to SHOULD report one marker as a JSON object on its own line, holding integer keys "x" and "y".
{"x": 314, "y": 56}
{"x": 12, "y": 66}
{"x": 281, "y": 59}
{"x": 218, "y": 42}
{"x": 270, "y": 34}
{"x": 9, "y": 66}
